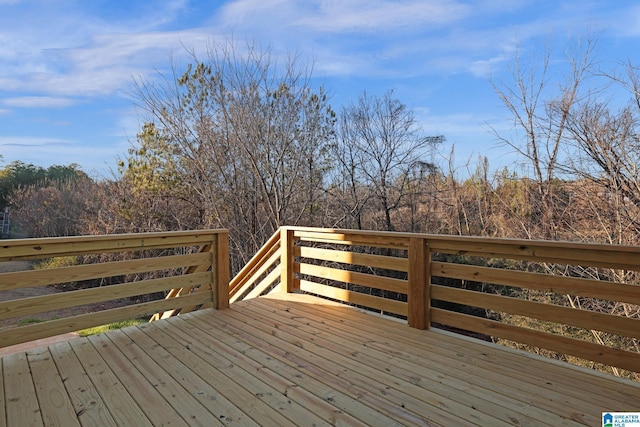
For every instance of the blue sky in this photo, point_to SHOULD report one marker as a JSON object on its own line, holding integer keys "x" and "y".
{"x": 67, "y": 66}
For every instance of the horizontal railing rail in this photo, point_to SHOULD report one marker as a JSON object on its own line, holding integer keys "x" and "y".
{"x": 192, "y": 267}
{"x": 326, "y": 264}
{"x": 260, "y": 274}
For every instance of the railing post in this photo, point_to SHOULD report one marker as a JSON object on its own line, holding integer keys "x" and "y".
{"x": 220, "y": 270}
{"x": 418, "y": 298}
{"x": 286, "y": 260}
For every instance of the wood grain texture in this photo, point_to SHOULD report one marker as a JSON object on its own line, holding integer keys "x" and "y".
{"x": 620, "y": 325}
{"x": 89, "y": 407}
{"x": 287, "y": 277}
{"x": 418, "y": 300}
{"x": 78, "y": 273}
{"x": 45, "y": 303}
{"x": 295, "y": 359}
{"x": 354, "y": 258}
{"x": 583, "y": 349}
{"x": 248, "y": 271}
{"x": 355, "y": 278}
{"x": 55, "y": 404}
{"x": 357, "y": 298}
{"x": 71, "y": 324}
{"x": 544, "y": 282}
{"x": 21, "y": 401}
{"x": 24, "y": 249}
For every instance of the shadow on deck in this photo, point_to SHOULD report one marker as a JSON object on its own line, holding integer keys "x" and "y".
{"x": 291, "y": 359}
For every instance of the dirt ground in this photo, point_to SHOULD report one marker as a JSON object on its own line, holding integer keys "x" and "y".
{"x": 9, "y": 266}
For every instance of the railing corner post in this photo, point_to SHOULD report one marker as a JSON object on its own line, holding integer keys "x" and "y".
{"x": 418, "y": 298}
{"x": 286, "y": 260}
{"x": 221, "y": 270}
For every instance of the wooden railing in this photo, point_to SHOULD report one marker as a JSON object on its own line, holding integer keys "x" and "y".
{"x": 192, "y": 265}
{"x": 479, "y": 286}
{"x": 260, "y": 274}
{"x": 516, "y": 291}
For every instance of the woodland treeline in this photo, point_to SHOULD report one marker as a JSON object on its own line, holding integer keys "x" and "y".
{"x": 244, "y": 140}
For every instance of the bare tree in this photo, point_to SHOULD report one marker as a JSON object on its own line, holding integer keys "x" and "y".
{"x": 607, "y": 155}
{"x": 381, "y": 150}
{"x": 240, "y": 135}
{"x": 540, "y": 117}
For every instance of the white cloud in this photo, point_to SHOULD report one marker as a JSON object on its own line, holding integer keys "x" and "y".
{"x": 365, "y": 15}
{"x": 104, "y": 65}
{"x": 79, "y": 54}
{"x": 38, "y": 102}
{"x": 342, "y": 16}
{"x": 29, "y": 141}
{"x": 246, "y": 12}
{"x": 469, "y": 136}
{"x": 627, "y": 22}
{"x": 128, "y": 124}
{"x": 70, "y": 50}
{"x": 42, "y": 151}
{"x": 58, "y": 53}
{"x": 483, "y": 68}
{"x": 459, "y": 123}
{"x": 383, "y": 38}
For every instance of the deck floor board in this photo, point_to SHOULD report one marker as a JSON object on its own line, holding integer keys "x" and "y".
{"x": 247, "y": 352}
{"x": 322, "y": 365}
{"x": 146, "y": 383}
{"x": 187, "y": 351}
{"x": 274, "y": 377}
{"x": 276, "y": 406}
{"x": 592, "y": 387}
{"x": 21, "y": 402}
{"x": 290, "y": 359}
{"x": 441, "y": 366}
{"x": 3, "y": 412}
{"x": 55, "y": 404}
{"x": 117, "y": 399}
{"x": 329, "y": 356}
{"x": 85, "y": 399}
{"x": 409, "y": 369}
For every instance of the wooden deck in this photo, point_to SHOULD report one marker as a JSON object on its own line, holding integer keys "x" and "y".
{"x": 290, "y": 359}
